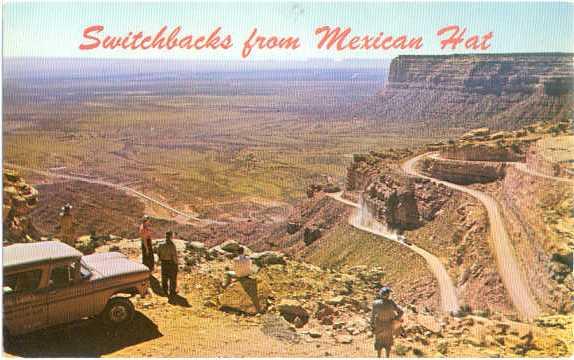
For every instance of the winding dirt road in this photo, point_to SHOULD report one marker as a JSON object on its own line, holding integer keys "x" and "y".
{"x": 448, "y": 298}
{"x": 525, "y": 168}
{"x": 508, "y": 267}
{"x": 129, "y": 190}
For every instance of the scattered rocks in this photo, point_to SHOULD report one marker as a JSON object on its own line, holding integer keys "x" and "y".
{"x": 293, "y": 227}
{"x": 325, "y": 314}
{"x": 268, "y": 258}
{"x": 293, "y": 311}
{"x": 314, "y": 333}
{"x": 338, "y": 324}
{"x": 417, "y": 352}
{"x": 344, "y": 339}
{"x": 210, "y": 303}
{"x": 373, "y": 275}
{"x": 232, "y": 246}
{"x": 553, "y": 321}
{"x": 469, "y": 340}
{"x": 526, "y": 345}
{"x": 336, "y": 300}
{"x": 357, "y": 326}
{"x": 501, "y": 328}
{"x": 229, "y": 249}
{"x": 331, "y": 188}
{"x": 196, "y": 247}
{"x": 442, "y": 347}
{"x": 429, "y": 323}
{"x": 275, "y": 326}
{"x": 475, "y": 134}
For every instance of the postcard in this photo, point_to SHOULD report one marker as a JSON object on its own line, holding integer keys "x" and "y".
{"x": 288, "y": 179}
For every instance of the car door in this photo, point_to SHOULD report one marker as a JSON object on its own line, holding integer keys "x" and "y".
{"x": 69, "y": 294}
{"x": 25, "y": 301}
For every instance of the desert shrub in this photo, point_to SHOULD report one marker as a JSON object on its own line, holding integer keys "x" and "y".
{"x": 485, "y": 313}
{"x": 360, "y": 157}
{"x": 464, "y": 310}
{"x": 401, "y": 350}
{"x": 417, "y": 352}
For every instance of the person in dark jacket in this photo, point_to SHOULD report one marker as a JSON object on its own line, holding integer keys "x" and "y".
{"x": 167, "y": 253}
{"x": 385, "y": 313}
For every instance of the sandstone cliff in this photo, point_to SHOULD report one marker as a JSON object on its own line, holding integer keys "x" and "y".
{"x": 501, "y": 90}
{"x": 19, "y": 199}
{"x": 463, "y": 172}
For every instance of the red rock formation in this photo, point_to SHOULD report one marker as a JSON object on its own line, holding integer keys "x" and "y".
{"x": 19, "y": 199}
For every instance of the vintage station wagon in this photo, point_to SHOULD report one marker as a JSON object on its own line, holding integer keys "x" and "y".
{"x": 50, "y": 283}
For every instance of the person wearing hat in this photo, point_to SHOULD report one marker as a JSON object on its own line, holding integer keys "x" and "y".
{"x": 67, "y": 225}
{"x": 385, "y": 313}
{"x": 167, "y": 253}
{"x": 147, "y": 249}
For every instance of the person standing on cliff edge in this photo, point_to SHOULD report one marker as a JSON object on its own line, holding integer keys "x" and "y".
{"x": 167, "y": 253}
{"x": 147, "y": 249}
{"x": 385, "y": 313}
{"x": 67, "y": 225}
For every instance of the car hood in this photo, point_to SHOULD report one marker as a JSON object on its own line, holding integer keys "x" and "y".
{"x": 112, "y": 264}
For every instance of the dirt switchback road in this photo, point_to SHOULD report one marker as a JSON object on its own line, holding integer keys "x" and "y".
{"x": 115, "y": 186}
{"x": 508, "y": 267}
{"x": 448, "y": 298}
{"x": 525, "y": 168}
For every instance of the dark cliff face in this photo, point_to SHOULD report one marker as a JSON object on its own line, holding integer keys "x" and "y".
{"x": 505, "y": 90}
{"x": 485, "y": 74}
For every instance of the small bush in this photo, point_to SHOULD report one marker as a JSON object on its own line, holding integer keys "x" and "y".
{"x": 401, "y": 350}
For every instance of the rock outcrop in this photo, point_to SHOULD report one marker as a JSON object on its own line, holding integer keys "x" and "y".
{"x": 393, "y": 201}
{"x": 506, "y": 90}
{"x": 365, "y": 167}
{"x": 482, "y": 152}
{"x": 246, "y": 295}
{"x": 19, "y": 199}
{"x": 401, "y": 202}
{"x": 461, "y": 172}
{"x": 538, "y": 213}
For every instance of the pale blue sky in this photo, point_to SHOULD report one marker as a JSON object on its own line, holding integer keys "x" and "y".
{"x": 55, "y": 29}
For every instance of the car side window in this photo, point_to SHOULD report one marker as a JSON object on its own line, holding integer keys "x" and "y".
{"x": 22, "y": 282}
{"x": 62, "y": 276}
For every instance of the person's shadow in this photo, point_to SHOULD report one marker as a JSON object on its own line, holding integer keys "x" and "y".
{"x": 173, "y": 300}
{"x": 179, "y": 301}
{"x": 156, "y": 286}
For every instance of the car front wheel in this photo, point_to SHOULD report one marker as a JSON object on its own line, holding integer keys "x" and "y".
{"x": 118, "y": 311}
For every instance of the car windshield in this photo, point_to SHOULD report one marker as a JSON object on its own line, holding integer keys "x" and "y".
{"x": 84, "y": 271}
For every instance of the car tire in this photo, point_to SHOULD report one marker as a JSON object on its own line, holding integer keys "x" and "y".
{"x": 118, "y": 311}
{"x": 8, "y": 340}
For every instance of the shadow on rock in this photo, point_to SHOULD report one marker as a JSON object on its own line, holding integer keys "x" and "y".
{"x": 87, "y": 338}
